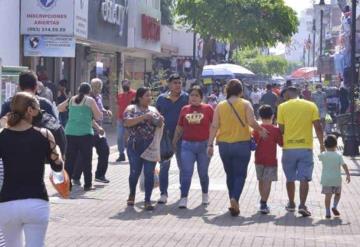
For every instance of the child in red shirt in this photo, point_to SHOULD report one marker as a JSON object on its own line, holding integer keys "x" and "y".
{"x": 265, "y": 155}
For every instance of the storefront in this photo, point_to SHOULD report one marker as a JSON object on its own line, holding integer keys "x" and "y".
{"x": 143, "y": 41}
{"x": 84, "y": 41}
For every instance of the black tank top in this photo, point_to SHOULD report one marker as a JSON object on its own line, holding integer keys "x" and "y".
{"x": 23, "y": 154}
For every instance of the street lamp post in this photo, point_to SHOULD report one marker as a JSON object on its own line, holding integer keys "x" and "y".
{"x": 321, "y": 4}
{"x": 352, "y": 146}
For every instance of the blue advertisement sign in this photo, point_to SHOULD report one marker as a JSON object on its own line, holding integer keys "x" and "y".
{"x": 49, "y": 46}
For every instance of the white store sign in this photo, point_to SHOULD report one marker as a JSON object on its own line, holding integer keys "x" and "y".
{"x": 49, "y": 46}
{"x": 48, "y": 17}
{"x": 81, "y": 18}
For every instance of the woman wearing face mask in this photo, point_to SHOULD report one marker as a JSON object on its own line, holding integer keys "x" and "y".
{"x": 79, "y": 132}
{"x": 193, "y": 126}
{"x": 141, "y": 120}
{"x": 24, "y": 206}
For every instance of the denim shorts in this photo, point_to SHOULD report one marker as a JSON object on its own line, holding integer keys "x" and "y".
{"x": 298, "y": 164}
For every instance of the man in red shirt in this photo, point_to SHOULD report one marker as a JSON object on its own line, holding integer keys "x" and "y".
{"x": 123, "y": 100}
{"x": 265, "y": 155}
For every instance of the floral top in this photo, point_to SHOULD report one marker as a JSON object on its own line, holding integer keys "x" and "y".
{"x": 142, "y": 131}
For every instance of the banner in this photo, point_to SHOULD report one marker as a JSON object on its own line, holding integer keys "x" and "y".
{"x": 47, "y": 17}
{"x": 49, "y": 46}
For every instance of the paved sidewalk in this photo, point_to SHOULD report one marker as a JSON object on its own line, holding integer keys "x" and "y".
{"x": 101, "y": 218}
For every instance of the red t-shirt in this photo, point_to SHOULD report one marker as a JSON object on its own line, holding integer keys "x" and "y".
{"x": 265, "y": 153}
{"x": 196, "y": 121}
{"x": 123, "y": 100}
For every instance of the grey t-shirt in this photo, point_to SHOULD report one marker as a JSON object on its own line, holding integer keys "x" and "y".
{"x": 269, "y": 98}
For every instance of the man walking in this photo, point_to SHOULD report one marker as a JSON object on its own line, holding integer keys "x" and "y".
{"x": 296, "y": 117}
{"x": 124, "y": 99}
{"x": 269, "y": 98}
{"x": 169, "y": 105}
{"x": 319, "y": 98}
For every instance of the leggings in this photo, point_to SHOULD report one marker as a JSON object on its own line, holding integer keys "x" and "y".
{"x": 29, "y": 216}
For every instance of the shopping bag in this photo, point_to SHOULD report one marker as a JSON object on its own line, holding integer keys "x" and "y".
{"x": 156, "y": 180}
{"x": 61, "y": 185}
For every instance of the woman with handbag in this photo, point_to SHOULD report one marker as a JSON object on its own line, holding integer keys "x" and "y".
{"x": 141, "y": 120}
{"x": 231, "y": 124}
{"x": 24, "y": 206}
{"x": 193, "y": 126}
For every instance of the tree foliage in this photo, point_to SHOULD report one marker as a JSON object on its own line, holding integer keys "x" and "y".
{"x": 258, "y": 23}
{"x": 167, "y": 12}
{"x": 265, "y": 65}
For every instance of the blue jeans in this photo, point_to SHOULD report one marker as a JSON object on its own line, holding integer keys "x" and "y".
{"x": 121, "y": 136}
{"x": 164, "y": 171}
{"x": 134, "y": 151}
{"x": 191, "y": 152}
{"x": 235, "y": 158}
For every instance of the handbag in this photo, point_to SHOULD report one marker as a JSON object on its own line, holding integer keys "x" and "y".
{"x": 62, "y": 184}
{"x": 252, "y": 140}
{"x": 166, "y": 150}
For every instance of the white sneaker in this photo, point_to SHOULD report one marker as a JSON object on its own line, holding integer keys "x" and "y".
{"x": 183, "y": 202}
{"x": 163, "y": 199}
{"x": 205, "y": 199}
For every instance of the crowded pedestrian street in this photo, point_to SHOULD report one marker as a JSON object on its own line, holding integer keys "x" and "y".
{"x": 102, "y": 218}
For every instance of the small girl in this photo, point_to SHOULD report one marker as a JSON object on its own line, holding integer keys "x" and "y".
{"x": 331, "y": 174}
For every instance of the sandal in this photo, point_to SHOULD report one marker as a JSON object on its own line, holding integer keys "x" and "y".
{"x": 131, "y": 201}
{"x": 234, "y": 208}
{"x": 149, "y": 206}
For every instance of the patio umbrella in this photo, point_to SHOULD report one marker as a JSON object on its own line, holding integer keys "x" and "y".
{"x": 304, "y": 73}
{"x": 213, "y": 71}
{"x": 235, "y": 69}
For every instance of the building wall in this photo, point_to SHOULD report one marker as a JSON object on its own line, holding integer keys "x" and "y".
{"x": 10, "y": 37}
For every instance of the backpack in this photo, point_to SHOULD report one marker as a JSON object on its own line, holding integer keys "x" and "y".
{"x": 49, "y": 122}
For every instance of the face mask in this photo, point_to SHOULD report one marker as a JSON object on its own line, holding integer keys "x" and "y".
{"x": 126, "y": 88}
{"x": 37, "y": 119}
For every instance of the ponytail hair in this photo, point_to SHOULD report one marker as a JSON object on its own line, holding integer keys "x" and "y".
{"x": 139, "y": 94}
{"x": 19, "y": 106}
{"x": 13, "y": 118}
{"x": 84, "y": 89}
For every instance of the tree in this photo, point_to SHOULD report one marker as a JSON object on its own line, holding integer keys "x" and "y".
{"x": 257, "y": 23}
{"x": 167, "y": 12}
{"x": 264, "y": 65}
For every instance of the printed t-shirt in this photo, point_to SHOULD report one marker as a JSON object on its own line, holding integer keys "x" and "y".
{"x": 297, "y": 116}
{"x": 195, "y": 121}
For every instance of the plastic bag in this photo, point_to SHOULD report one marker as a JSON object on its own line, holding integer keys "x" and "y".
{"x": 166, "y": 148}
{"x": 62, "y": 185}
{"x": 156, "y": 180}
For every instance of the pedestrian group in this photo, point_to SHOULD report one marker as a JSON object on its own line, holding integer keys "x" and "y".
{"x": 191, "y": 128}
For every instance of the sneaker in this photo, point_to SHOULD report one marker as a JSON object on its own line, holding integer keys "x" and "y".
{"x": 335, "y": 212}
{"x": 89, "y": 188}
{"x": 149, "y": 206}
{"x": 102, "y": 180}
{"x": 264, "y": 209}
{"x": 76, "y": 182}
{"x": 328, "y": 216}
{"x": 183, "y": 202}
{"x": 205, "y": 199}
{"x": 234, "y": 207}
{"x": 163, "y": 199}
{"x": 121, "y": 158}
{"x": 304, "y": 211}
{"x": 290, "y": 207}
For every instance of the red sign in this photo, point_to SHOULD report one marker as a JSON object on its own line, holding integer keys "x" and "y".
{"x": 150, "y": 28}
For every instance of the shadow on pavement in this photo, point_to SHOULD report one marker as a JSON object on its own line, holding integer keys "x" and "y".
{"x": 226, "y": 220}
{"x": 332, "y": 222}
{"x": 291, "y": 219}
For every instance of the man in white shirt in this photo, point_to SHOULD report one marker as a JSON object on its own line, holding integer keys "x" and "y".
{"x": 255, "y": 98}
